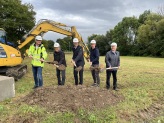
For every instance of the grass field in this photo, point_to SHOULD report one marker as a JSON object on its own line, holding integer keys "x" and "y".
{"x": 140, "y": 81}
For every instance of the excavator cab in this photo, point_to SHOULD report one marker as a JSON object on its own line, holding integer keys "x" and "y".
{"x": 10, "y": 58}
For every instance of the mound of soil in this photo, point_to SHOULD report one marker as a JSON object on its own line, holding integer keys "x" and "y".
{"x": 72, "y": 98}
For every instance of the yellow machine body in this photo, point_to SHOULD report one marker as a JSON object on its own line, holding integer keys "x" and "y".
{"x": 9, "y": 56}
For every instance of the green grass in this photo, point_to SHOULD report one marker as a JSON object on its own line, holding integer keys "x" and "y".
{"x": 140, "y": 79}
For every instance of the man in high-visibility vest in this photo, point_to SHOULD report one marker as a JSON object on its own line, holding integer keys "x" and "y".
{"x": 38, "y": 54}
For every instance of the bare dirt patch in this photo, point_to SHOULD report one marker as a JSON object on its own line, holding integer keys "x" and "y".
{"x": 151, "y": 112}
{"x": 72, "y": 98}
{"x": 21, "y": 119}
{"x": 145, "y": 115}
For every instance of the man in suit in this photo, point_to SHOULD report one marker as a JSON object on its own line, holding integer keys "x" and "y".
{"x": 94, "y": 62}
{"x": 78, "y": 60}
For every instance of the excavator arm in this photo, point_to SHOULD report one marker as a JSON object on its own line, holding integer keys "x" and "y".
{"x": 43, "y": 26}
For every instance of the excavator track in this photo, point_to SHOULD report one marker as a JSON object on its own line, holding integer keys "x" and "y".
{"x": 17, "y": 71}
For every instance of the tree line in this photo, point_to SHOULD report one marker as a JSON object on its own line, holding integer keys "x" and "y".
{"x": 65, "y": 44}
{"x": 143, "y": 36}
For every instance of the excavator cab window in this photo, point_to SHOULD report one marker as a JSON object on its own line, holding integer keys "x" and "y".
{"x": 2, "y": 36}
{"x": 2, "y": 53}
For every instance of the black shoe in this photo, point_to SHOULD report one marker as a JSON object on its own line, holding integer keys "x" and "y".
{"x": 94, "y": 84}
{"x": 35, "y": 87}
{"x": 98, "y": 85}
{"x": 62, "y": 83}
{"x": 59, "y": 83}
{"x": 107, "y": 87}
{"x": 115, "y": 89}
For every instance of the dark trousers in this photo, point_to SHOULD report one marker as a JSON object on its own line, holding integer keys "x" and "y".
{"x": 80, "y": 80}
{"x": 37, "y": 74}
{"x": 114, "y": 74}
{"x": 95, "y": 76}
{"x": 61, "y": 79}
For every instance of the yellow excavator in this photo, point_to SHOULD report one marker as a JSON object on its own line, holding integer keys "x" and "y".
{"x": 11, "y": 58}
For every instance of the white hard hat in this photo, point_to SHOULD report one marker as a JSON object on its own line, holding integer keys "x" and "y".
{"x": 93, "y": 42}
{"x": 113, "y": 44}
{"x": 38, "y": 37}
{"x": 56, "y": 45}
{"x": 75, "y": 40}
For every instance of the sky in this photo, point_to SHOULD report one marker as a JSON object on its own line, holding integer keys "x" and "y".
{"x": 90, "y": 16}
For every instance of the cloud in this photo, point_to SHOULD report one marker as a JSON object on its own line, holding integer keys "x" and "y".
{"x": 90, "y": 16}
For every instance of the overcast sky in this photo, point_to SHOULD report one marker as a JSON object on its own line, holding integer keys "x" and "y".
{"x": 90, "y": 16}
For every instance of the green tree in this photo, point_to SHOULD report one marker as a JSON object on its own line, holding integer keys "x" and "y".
{"x": 109, "y": 36}
{"x": 65, "y": 43}
{"x": 151, "y": 36}
{"x": 160, "y": 38}
{"x": 50, "y": 46}
{"x": 125, "y": 34}
{"x": 101, "y": 43}
{"x": 16, "y": 18}
{"x": 92, "y": 37}
{"x": 143, "y": 17}
{"x": 45, "y": 43}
